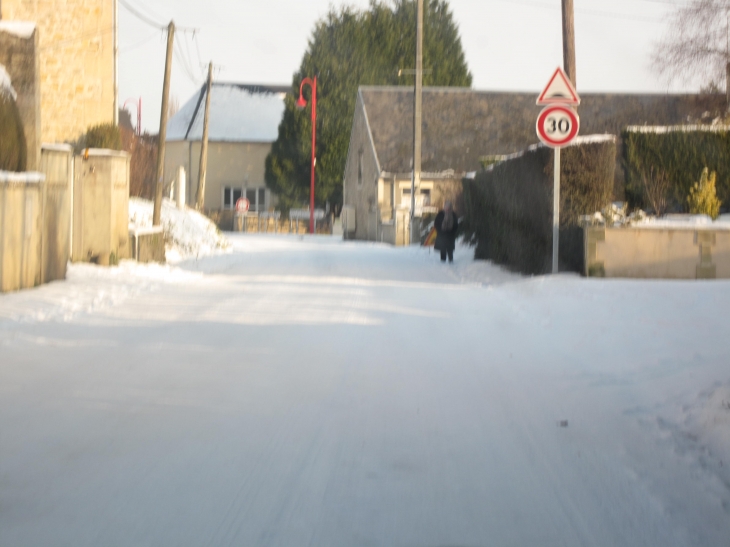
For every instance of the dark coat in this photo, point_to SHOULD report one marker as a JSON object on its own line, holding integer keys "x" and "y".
{"x": 445, "y": 239}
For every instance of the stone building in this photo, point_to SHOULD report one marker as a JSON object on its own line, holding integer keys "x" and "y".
{"x": 461, "y": 127}
{"x": 75, "y": 60}
{"x": 244, "y": 122}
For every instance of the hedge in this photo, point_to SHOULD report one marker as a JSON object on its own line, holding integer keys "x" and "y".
{"x": 508, "y": 206}
{"x": 682, "y": 152}
{"x": 13, "y": 151}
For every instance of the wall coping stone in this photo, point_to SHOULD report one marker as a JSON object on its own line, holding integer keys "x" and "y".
{"x": 30, "y": 177}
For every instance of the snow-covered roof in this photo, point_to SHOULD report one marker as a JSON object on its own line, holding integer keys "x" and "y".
{"x": 238, "y": 113}
{"x": 21, "y": 29}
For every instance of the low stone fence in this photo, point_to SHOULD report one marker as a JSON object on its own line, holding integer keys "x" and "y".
{"x": 101, "y": 207}
{"x": 690, "y": 252}
{"x": 21, "y": 203}
{"x": 35, "y": 221}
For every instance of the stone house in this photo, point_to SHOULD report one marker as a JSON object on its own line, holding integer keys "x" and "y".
{"x": 244, "y": 122}
{"x": 461, "y": 127}
{"x": 75, "y": 63}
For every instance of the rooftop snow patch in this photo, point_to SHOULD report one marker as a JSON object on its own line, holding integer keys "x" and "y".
{"x": 21, "y": 29}
{"x": 238, "y": 113}
{"x": 6, "y": 85}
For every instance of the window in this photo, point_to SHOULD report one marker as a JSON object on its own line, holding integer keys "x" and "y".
{"x": 231, "y": 196}
{"x": 251, "y": 197}
{"x": 261, "y": 204}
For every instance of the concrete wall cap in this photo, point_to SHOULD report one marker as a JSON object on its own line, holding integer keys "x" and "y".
{"x": 145, "y": 230}
{"x": 104, "y": 152}
{"x": 29, "y": 177}
{"x": 57, "y": 147}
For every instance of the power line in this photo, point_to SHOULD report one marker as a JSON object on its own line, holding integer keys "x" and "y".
{"x": 130, "y": 47}
{"x": 141, "y": 16}
{"x": 598, "y": 13}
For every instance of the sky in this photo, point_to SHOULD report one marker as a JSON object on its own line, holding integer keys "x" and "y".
{"x": 511, "y": 45}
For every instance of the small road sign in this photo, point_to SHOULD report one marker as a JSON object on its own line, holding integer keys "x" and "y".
{"x": 557, "y": 125}
{"x": 242, "y": 205}
{"x": 559, "y": 90}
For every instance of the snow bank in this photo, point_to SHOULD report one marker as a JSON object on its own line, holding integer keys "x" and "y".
{"x": 661, "y": 129}
{"x": 685, "y": 221}
{"x": 6, "y": 85}
{"x": 188, "y": 234}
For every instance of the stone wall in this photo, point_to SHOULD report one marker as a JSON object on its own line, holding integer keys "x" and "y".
{"x": 658, "y": 253}
{"x": 76, "y": 60}
{"x": 19, "y": 55}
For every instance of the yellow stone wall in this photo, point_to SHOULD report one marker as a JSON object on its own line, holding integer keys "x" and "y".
{"x": 76, "y": 62}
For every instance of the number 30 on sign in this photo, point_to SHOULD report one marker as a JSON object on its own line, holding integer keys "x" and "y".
{"x": 557, "y": 125}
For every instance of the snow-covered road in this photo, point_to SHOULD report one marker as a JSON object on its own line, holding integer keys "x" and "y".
{"x": 311, "y": 392}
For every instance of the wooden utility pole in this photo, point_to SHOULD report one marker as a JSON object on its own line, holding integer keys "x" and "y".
{"x": 200, "y": 201}
{"x": 417, "y": 98}
{"x": 569, "y": 41}
{"x": 163, "y": 127}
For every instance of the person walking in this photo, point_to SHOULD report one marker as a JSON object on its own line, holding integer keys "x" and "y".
{"x": 446, "y": 225}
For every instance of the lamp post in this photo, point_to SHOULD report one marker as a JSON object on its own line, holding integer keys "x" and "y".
{"x": 301, "y": 103}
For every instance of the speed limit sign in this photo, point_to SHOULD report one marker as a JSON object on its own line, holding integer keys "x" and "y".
{"x": 557, "y": 125}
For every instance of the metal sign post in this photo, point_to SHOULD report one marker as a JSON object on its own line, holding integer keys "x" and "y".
{"x": 557, "y": 126}
{"x": 556, "y": 207}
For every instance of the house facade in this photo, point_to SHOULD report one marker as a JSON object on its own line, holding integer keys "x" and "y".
{"x": 75, "y": 62}
{"x": 244, "y": 122}
{"x": 460, "y": 128}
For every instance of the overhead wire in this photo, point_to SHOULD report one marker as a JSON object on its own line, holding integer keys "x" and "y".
{"x": 599, "y": 13}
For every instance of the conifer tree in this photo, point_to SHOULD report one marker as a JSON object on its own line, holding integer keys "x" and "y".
{"x": 350, "y": 48}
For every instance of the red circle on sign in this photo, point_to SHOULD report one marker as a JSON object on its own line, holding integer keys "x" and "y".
{"x": 242, "y": 205}
{"x": 557, "y": 125}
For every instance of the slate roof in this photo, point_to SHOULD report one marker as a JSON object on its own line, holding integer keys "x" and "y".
{"x": 238, "y": 113}
{"x": 460, "y": 125}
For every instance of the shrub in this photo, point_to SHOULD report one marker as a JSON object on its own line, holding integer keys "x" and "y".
{"x": 681, "y": 153}
{"x": 13, "y": 151}
{"x": 105, "y": 135}
{"x": 508, "y": 207}
{"x": 702, "y": 197}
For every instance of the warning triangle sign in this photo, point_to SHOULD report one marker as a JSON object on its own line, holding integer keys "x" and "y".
{"x": 559, "y": 90}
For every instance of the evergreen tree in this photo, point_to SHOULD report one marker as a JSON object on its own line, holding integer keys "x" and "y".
{"x": 350, "y": 48}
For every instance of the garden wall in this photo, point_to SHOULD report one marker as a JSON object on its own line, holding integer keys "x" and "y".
{"x": 658, "y": 253}
{"x": 508, "y": 206}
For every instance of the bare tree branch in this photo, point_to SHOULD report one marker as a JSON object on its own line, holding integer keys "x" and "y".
{"x": 696, "y": 45}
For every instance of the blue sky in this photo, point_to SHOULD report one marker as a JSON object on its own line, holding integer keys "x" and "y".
{"x": 509, "y": 44}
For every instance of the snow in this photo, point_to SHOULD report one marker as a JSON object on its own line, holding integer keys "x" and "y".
{"x": 236, "y": 115}
{"x": 677, "y": 128}
{"x": 188, "y": 234}
{"x": 29, "y": 177}
{"x": 6, "y": 85}
{"x": 21, "y": 29}
{"x": 586, "y": 139}
{"x": 690, "y": 222}
{"x": 305, "y": 390}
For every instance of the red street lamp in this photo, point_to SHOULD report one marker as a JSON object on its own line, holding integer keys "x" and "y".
{"x": 301, "y": 103}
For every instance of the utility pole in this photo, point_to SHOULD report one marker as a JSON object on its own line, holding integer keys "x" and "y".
{"x": 163, "y": 126}
{"x": 417, "y": 98}
{"x": 200, "y": 201}
{"x": 569, "y": 41}
{"x": 116, "y": 62}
